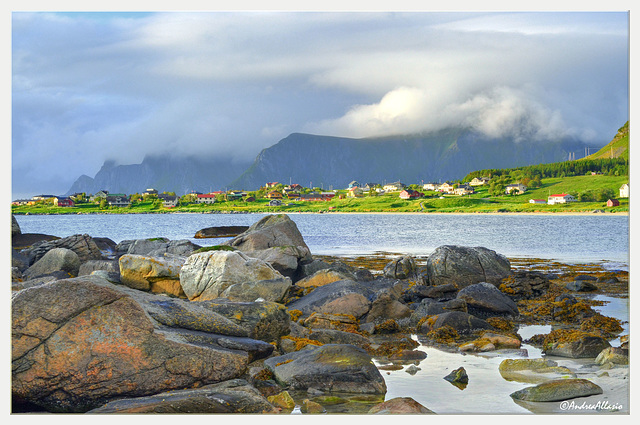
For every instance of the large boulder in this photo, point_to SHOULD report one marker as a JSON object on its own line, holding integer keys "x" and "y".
{"x": 270, "y": 231}
{"x": 485, "y": 300}
{"x": 332, "y": 367}
{"x": 156, "y": 274}
{"x": 206, "y": 275}
{"x": 83, "y": 245}
{"x": 100, "y": 342}
{"x": 558, "y": 390}
{"x": 54, "y": 260}
{"x": 233, "y": 396}
{"x": 465, "y": 266}
{"x": 341, "y": 297}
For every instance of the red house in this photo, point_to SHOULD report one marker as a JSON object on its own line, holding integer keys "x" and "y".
{"x": 613, "y": 203}
{"x": 410, "y": 194}
{"x": 64, "y": 202}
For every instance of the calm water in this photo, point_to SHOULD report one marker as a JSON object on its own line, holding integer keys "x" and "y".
{"x": 566, "y": 238}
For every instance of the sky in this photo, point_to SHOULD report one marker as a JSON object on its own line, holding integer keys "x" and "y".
{"x": 90, "y": 87}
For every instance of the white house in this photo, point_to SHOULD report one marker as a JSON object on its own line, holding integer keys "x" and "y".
{"x": 393, "y": 187}
{"x": 537, "y": 201}
{"x": 446, "y": 187}
{"x": 479, "y": 181}
{"x": 518, "y": 188}
{"x": 624, "y": 191}
{"x": 562, "y": 198}
{"x": 430, "y": 186}
{"x": 206, "y": 198}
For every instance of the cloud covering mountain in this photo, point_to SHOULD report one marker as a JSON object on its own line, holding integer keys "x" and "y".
{"x": 90, "y": 87}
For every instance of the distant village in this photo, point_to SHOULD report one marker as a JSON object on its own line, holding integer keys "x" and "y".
{"x": 278, "y": 193}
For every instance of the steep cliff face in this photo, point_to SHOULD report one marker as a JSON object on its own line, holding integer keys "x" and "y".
{"x": 324, "y": 161}
{"x": 170, "y": 174}
{"x": 330, "y": 161}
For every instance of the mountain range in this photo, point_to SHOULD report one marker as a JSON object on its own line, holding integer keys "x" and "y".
{"x": 332, "y": 162}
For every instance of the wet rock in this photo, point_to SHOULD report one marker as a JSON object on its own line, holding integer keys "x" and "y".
{"x": 19, "y": 260}
{"x": 98, "y": 342}
{"x": 332, "y": 367}
{"x": 458, "y": 376}
{"x": 533, "y": 370}
{"x": 464, "y": 266}
{"x": 54, "y": 260}
{"x": 485, "y": 300}
{"x": 308, "y": 268}
{"x": 233, "y": 396}
{"x": 27, "y": 241}
{"x": 412, "y": 369}
{"x": 401, "y": 268}
{"x": 206, "y": 275}
{"x": 220, "y": 232}
{"x": 558, "y": 390}
{"x": 490, "y": 342}
{"x": 399, "y": 406}
{"x": 156, "y": 274}
{"x": 615, "y": 355}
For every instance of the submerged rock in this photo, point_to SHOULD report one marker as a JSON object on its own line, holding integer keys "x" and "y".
{"x": 220, "y": 232}
{"x": 533, "y": 370}
{"x": 558, "y": 390}
{"x": 458, "y": 376}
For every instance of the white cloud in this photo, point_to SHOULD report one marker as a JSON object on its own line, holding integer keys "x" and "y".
{"x": 120, "y": 86}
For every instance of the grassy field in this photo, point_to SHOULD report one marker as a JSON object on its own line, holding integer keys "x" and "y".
{"x": 479, "y": 202}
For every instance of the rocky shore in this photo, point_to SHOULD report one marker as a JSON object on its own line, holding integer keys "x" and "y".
{"x": 258, "y": 324}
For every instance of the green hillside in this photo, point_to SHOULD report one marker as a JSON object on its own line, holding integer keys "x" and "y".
{"x": 617, "y": 148}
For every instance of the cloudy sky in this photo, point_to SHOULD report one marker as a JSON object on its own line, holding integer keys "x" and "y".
{"x": 87, "y": 87}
